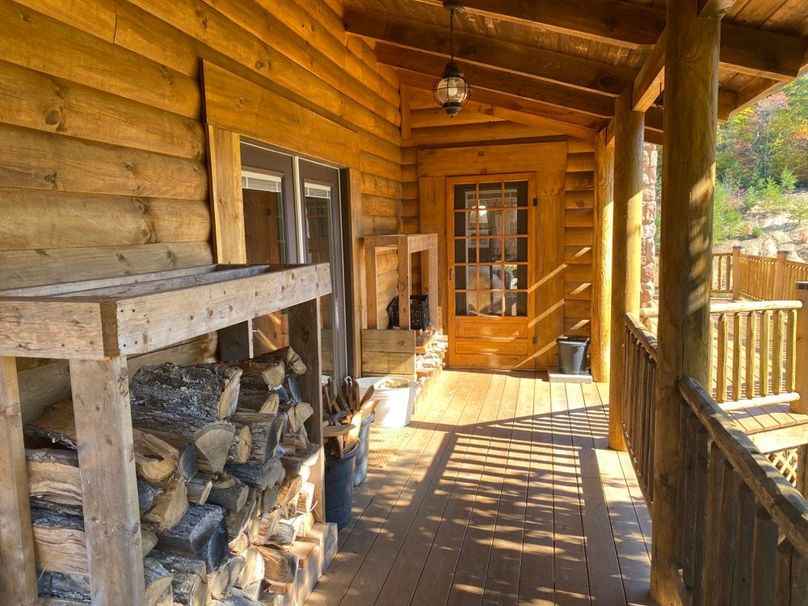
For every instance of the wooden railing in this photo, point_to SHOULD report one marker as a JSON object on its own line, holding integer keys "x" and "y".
{"x": 752, "y": 276}
{"x": 639, "y": 385}
{"x": 743, "y": 527}
{"x": 754, "y": 350}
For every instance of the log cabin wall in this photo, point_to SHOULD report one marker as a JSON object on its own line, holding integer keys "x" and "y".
{"x": 103, "y": 138}
{"x": 489, "y": 146}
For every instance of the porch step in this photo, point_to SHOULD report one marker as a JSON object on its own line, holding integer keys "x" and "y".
{"x": 556, "y": 376}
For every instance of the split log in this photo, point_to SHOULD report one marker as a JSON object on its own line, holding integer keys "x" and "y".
{"x": 229, "y": 492}
{"x": 258, "y": 374}
{"x": 222, "y": 580}
{"x": 236, "y": 522}
{"x": 60, "y": 544}
{"x": 206, "y": 390}
{"x": 146, "y": 494}
{"x": 303, "y": 523}
{"x": 169, "y": 507}
{"x": 264, "y": 526}
{"x": 49, "y": 601}
{"x": 258, "y": 400}
{"x": 211, "y": 440}
{"x": 67, "y": 586}
{"x": 297, "y": 414}
{"x": 188, "y": 463}
{"x": 189, "y": 577}
{"x": 201, "y": 533}
{"x": 155, "y": 460}
{"x": 148, "y": 541}
{"x": 279, "y": 566}
{"x": 199, "y": 488}
{"x": 239, "y": 544}
{"x": 283, "y": 536}
{"x": 158, "y": 583}
{"x": 269, "y": 498}
{"x": 293, "y": 387}
{"x": 305, "y": 499}
{"x": 260, "y": 476}
{"x": 265, "y": 431}
{"x": 289, "y": 490}
{"x": 53, "y": 476}
{"x": 241, "y": 446}
{"x": 252, "y": 572}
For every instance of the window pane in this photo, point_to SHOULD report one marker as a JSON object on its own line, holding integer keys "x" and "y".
{"x": 461, "y": 306}
{"x": 465, "y": 196}
{"x": 263, "y": 226}
{"x": 516, "y": 193}
{"x": 491, "y": 195}
{"x": 516, "y": 304}
{"x": 465, "y": 223}
{"x": 515, "y": 222}
{"x": 515, "y": 249}
{"x": 516, "y": 276}
{"x": 318, "y": 228}
{"x": 490, "y": 249}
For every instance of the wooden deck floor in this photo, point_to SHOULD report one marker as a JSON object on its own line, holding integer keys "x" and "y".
{"x": 501, "y": 491}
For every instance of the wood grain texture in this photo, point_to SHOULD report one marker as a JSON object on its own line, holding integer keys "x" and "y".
{"x": 18, "y": 576}
{"x": 691, "y": 83}
{"x": 111, "y": 517}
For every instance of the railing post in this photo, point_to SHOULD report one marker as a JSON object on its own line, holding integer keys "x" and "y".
{"x": 780, "y": 275}
{"x": 736, "y": 272}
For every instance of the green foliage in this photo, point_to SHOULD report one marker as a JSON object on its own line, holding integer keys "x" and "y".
{"x": 727, "y": 219}
{"x": 767, "y": 141}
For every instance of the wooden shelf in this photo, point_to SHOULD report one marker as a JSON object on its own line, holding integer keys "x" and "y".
{"x": 406, "y": 245}
{"x": 96, "y": 324}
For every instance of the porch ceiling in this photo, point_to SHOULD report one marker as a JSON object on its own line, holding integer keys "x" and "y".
{"x": 564, "y": 61}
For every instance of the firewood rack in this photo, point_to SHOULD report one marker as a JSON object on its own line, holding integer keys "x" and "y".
{"x": 96, "y": 324}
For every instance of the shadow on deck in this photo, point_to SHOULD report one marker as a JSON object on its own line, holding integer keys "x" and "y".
{"x": 501, "y": 491}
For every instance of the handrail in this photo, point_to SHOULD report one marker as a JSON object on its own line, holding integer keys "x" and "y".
{"x": 639, "y": 387}
{"x": 744, "y": 528}
{"x": 717, "y": 307}
{"x": 784, "y": 503}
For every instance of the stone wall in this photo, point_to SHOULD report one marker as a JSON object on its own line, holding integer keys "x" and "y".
{"x": 649, "y": 207}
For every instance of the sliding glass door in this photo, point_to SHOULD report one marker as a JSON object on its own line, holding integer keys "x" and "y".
{"x": 292, "y": 214}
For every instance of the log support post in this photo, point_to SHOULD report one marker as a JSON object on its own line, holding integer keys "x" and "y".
{"x": 106, "y": 458}
{"x": 736, "y": 272}
{"x": 688, "y": 182}
{"x": 626, "y": 248}
{"x": 18, "y": 572}
{"x": 801, "y": 405}
{"x": 304, "y": 338}
{"x": 602, "y": 283}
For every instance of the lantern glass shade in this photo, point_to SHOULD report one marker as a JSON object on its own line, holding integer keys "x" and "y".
{"x": 452, "y": 91}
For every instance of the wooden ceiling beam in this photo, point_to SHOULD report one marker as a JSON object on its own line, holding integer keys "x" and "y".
{"x": 625, "y": 24}
{"x": 551, "y": 94}
{"x": 577, "y": 72}
{"x": 516, "y": 109}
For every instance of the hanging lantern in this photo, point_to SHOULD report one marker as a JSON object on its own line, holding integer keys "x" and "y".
{"x": 452, "y": 91}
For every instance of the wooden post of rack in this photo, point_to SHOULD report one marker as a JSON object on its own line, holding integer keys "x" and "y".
{"x": 404, "y": 282}
{"x": 18, "y": 573}
{"x": 109, "y": 490}
{"x": 305, "y": 340}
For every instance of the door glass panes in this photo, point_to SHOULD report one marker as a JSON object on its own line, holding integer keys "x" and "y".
{"x": 490, "y": 249}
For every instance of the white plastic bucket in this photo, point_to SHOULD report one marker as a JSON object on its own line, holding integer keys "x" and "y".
{"x": 396, "y": 400}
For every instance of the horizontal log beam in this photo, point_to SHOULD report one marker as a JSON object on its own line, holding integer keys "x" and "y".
{"x": 472, "y": 48}
{"x": 618, "y": 23}
{"x": 558, "y": 95}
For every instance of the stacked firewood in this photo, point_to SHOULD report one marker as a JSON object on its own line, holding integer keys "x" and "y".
{"x": 220, "y": 452}
{"x": 431, "y": 347}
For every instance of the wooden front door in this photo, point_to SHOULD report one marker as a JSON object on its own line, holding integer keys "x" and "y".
{"x": 492, "y": 264}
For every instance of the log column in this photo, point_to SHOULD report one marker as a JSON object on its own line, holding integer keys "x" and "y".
{"x": 626, "y": 249}
{"x": 602, "y": 283}
{"x": 107, "y": 459}
{"x": 691, "y": 94}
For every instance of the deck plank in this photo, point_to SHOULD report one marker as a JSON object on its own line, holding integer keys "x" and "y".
{"x": 502, "y": 491}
